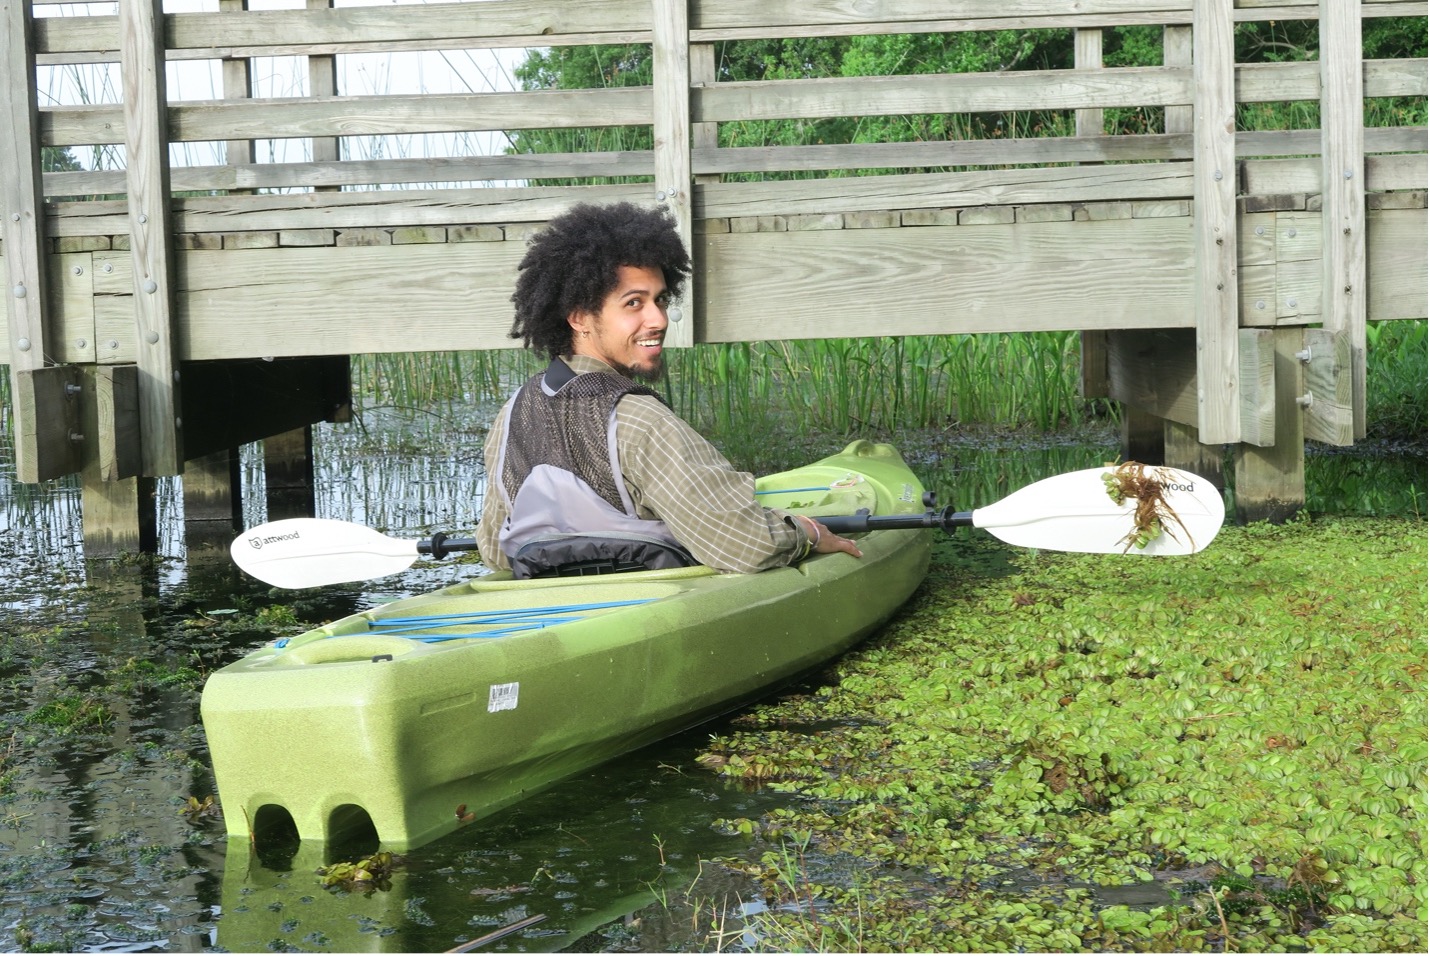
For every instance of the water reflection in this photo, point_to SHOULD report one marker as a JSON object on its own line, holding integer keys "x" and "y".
{"x": 97, "y": 853}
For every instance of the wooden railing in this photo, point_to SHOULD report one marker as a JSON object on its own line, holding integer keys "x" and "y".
{"x": 259, "y": 268}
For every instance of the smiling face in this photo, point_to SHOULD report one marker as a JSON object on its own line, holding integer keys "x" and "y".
{"x": 628, "y": 331}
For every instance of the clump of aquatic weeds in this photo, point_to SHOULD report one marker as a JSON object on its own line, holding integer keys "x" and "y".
{"x": 1153, "y": 516}
{"x": 1237, "y": 733}
{"x": 372, "y": 872}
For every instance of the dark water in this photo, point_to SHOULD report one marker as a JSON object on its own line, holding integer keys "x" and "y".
{"x": 101, "y": 751}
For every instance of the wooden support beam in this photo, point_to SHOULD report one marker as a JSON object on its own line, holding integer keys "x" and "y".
{"x": 1343, "y": 183}
{"x": 1326, "y": 402}
{"x": 1142, "y": 436}
{"x": 42, "y": 419}
{"x": 277, "y": 397}
{"x": 1158, "y": 371}
{"x": 213, "y": 499}
{"x": 112, "y": 417}
{"x": 1214, "y": 209}
{"x": 1271, "y": 480}
{"x": 147, "y": 155}
{"x": 1184, "y": 450}
{"x": 48, "y": 421}
{"x": 119, "y": 517}
{"x": 670, "y": 67}
{"x": 288, "y": 474}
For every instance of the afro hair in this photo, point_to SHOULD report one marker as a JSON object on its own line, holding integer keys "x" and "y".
{"x": 572, "y": 265}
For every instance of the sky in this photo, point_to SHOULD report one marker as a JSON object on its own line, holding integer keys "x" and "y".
{"x": 448, "y": 71}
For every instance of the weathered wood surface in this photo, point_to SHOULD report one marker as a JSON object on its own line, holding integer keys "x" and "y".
{"x": 1049, "y": 243}
{"x": 146, "y": 146}
{"x": 1343, "y": 272}
{"x": 203, "y": 120}
{"x": 530, "y": 23}
{"x": 707, "y": 160}
{"x": 671, "y": 127}
{"x": 1214, "y": 189}
{"x": 39, "y": 453}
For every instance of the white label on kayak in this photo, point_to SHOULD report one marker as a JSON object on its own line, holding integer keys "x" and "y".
{"x": 502, "y": 697}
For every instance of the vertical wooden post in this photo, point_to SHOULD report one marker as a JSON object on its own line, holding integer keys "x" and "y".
{"x": 42, "y": 394}
{"x": 1214, "y": 181}
{"x": 703, "y": 136}
{"x": 237, "y": 85}
{"x": 323, "y": 81}
{"x": 288, "y": 473}
{"x": 1087, "y": 55}
{"x": 1182, "y": 448}
{"x": 213, "y": 503}
{"x": 119, "y": 516}
{"x": 1182, "y": 445}
{"x": 670, "y": 68}
{"x": 1271, "y": 481}
{"x": 146, "y": 145}
{"x": 1142, "y": 435}
{"x": 1343, "y": 292}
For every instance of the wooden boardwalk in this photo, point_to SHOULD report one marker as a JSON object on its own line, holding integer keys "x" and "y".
{"x": 1222, "y": 279}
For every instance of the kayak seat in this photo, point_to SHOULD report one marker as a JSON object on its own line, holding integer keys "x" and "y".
{"x": 578, "y": 555}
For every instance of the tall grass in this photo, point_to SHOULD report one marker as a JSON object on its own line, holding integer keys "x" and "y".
{"x": 1007, "y": 380}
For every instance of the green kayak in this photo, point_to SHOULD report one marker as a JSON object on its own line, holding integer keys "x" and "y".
{"x": 417, "y": 717}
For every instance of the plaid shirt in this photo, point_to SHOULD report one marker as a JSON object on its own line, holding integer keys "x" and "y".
{"x": 676, "y": 476}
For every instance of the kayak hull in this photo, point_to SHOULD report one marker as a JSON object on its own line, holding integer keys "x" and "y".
{"x": 362, "y": 724}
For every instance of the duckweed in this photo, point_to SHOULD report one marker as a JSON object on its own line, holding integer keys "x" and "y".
{"x": 1242, "y": 730}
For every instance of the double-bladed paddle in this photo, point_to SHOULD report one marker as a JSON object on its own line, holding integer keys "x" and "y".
{"x": 1077, "y": 511}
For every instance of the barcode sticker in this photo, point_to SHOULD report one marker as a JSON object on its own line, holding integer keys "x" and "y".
{"x": 502, "y": 697}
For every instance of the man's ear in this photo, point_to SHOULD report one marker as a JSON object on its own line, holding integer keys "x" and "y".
{"x": 579, "y": 321}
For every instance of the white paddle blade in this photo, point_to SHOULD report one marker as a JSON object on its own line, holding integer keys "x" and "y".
{"x": 310, "y": 552}
{"x": 1073, "y": 512}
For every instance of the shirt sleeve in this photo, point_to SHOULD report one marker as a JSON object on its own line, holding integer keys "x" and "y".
{"x": 675, "y": 475}
{"x": 494, "y": 510}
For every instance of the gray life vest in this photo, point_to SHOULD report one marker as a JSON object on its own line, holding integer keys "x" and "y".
{"x": 558, "y": 470}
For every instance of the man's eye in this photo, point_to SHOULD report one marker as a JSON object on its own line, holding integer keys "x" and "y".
{"x": 663, "y": 301}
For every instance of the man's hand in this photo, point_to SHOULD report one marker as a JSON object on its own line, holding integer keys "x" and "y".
{"x": 824, "y": 541}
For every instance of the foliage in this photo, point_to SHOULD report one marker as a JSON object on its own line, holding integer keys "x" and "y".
{"x": 1245, "y": 726}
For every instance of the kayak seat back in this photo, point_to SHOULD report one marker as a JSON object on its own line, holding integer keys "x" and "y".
{"x": 576, "y": 555}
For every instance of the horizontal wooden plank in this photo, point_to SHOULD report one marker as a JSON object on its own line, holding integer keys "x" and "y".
{"x": 1396, "y": 275}
{"x": 360, "y": 115}
{"x": 470, "y": 169}
{"x": 450, "y": 296}
{"x": 199, "y": 121}
{"x": 514, "y": 23}
{"x": 945, "y": 279}
{"x": 934, "y": 190}
{"x": 939, "y": 93}
{"x": 1277, "y": 177}
{"x": 532, "y": 23}
{"x": 348, "y": 210}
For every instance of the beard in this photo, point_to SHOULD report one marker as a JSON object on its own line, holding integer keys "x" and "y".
{"x": 648, "y": 373}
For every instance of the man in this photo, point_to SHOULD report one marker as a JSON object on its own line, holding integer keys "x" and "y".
{"x": 587, "y": 468}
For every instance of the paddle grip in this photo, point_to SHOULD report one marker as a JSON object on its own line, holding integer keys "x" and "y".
{"x": 440, "y": 545}
{"x": 947, "y": 519}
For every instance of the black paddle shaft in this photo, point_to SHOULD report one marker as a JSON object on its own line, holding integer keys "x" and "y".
{"x": 946, "y": 519}
{"x": 440, "y": 545}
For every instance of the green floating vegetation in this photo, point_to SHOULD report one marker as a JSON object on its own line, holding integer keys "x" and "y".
{"x": 1238, "y": 736}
